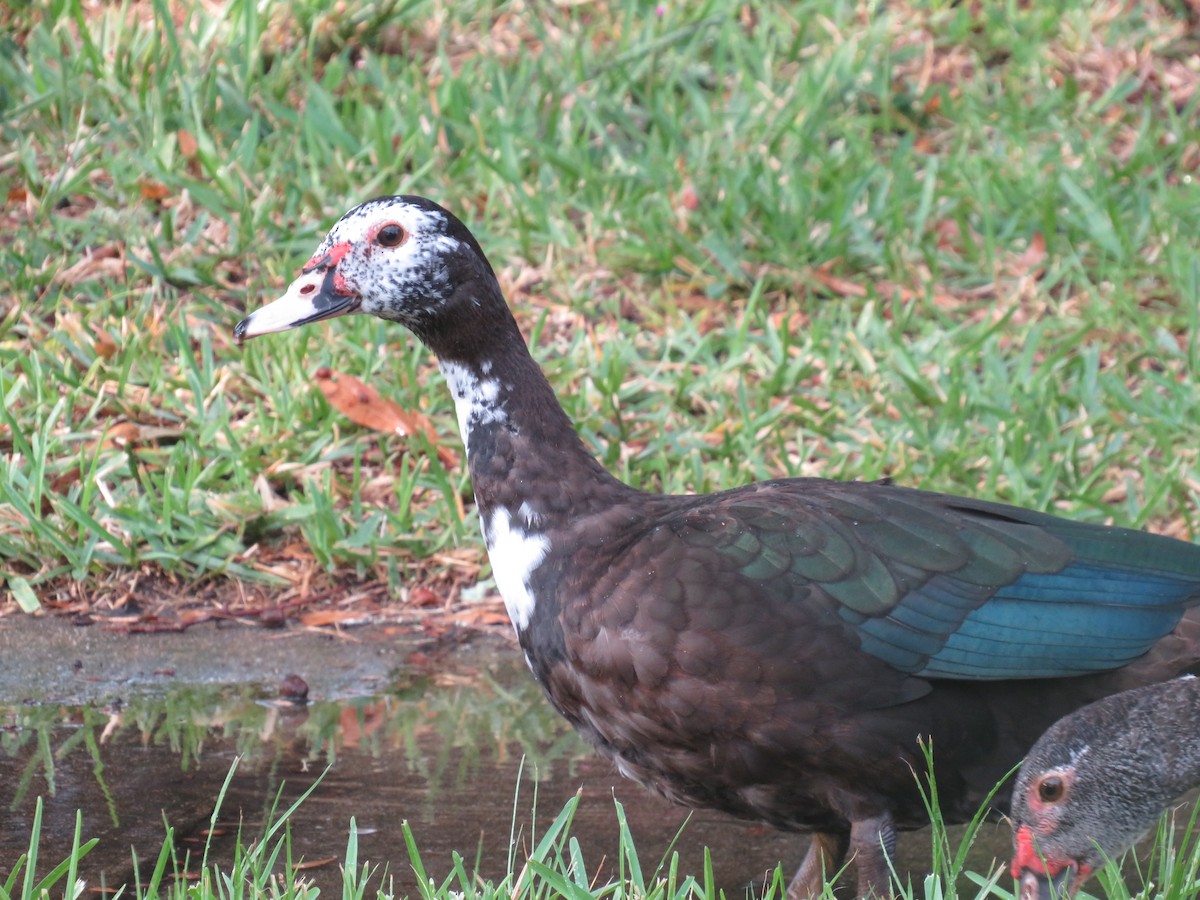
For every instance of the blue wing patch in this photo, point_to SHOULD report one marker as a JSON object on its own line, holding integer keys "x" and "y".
{"x": 1084, "y": 618}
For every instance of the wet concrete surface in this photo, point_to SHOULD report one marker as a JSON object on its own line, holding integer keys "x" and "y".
{"x": 135, "y": 730}
{"x": 51, "y": 659}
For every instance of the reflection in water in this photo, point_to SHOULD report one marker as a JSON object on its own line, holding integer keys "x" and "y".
{"x": 443, "y": 752}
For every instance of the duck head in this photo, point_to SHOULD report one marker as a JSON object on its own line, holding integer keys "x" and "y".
{"x": 1047, "y": 845}
{"x": 401, "y": 258}
{"x": 1088, "y": 790}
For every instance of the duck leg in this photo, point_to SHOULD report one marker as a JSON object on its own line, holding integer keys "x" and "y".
{"x": 824, "y": 858}
{"x": 872, "y": 844}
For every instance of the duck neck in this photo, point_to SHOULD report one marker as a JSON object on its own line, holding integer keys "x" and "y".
{"x": 526, "y": 461}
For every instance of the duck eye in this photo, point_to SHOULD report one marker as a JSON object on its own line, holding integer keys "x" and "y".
{"x": 390, "y": 235}
{"x": 1051, "y": 789}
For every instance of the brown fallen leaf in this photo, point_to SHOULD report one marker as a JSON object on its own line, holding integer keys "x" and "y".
{"x": 187, "y": 144}
{"x": 296, "y": 550}
{"x": 104, "y": 344}
{"x": 950, "y": 238}
{"x": 841, "y": 287}
{"x": 688, "y": 198}
{"x": 58, "y": 485}
{"x": 314, "y": 863}
{"x": 362, "y": 404}
{"x": 96, "y": 263}
{"x": 189, "y": 150}
{"x": 319, "y": 617}
{"x": 120, "y": 435}
{"x": 481, "y": 615}
{"x": 419, "y": 595}
{"x": 154, "y": 190}
{"x": 1030, "y": 262}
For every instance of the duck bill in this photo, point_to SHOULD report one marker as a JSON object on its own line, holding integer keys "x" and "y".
{"x": 314, "y": 296}
{"x": 1040, "y": 886}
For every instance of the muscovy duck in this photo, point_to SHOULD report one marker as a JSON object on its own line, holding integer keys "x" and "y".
{"x": 777, "y": 650}
{"x": 1098, "y": 779}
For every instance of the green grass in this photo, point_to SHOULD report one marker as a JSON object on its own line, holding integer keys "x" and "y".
{"x": 263, "y": 866}
{"x": 760, "y": 242}
{"x": 554, "y": 867}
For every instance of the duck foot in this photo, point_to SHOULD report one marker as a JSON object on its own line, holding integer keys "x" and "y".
{"x": 871, "y": 842}
{"x": 872, "y": 845}
{"x": 821, "y": 862}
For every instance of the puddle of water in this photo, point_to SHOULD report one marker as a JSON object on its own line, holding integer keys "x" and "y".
{"x": 441, "y": 749}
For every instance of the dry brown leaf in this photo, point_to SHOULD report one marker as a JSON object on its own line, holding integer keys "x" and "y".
{"x": 793, "y": 321}
{"x": 295, "y": 550}
{"x": 102, "y": 262}
{"x": 104, "y": 344}
{"x": 419, "y": 595}
{"x": 187, "y": 144}
{"x": 62, "y": 483}
{"x": 950, "y": 237}
{"x": 1030, "y": 262}
{"x": 362, "y": 404}
{"x": 314, "y": 863}
{"x": 154, "y": 190}
{"x": 317, "y": 617}
{"x": 58, "y": 485}
{"x": 481, "y": 615}
{"x": 121, "y": 434}
{"x": 842, "y": 287}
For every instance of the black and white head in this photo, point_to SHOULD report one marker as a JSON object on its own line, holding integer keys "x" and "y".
{"x": 402, "y": 258}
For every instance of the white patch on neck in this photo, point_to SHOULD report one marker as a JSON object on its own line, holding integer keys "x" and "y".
{"x": 515, "y": 555}
{"x": 476, "y": 400}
